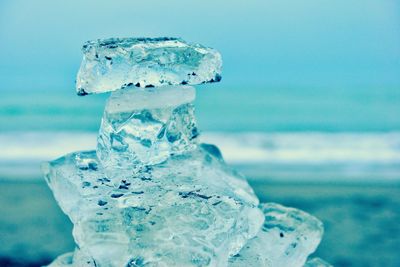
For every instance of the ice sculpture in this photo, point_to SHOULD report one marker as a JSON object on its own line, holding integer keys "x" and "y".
{"x": 151, "y": 194}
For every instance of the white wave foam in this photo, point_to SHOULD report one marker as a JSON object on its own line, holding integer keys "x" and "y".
{"x": 26, "y": 146}
{"x": 308, "y": 148}
{"x": 21, "y": 153}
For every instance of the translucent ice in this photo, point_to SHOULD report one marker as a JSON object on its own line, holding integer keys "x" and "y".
{"x": 317, "y": 262}
{"x": 63, "y": 260}
{"x": 142, "y": 127}
{"x": 151, "y": 195}
{"x": 191, "y": 210}
{"x": 111, "y": 64}
{"x": 72, "y": 259}
{"x": 287, "y": 237}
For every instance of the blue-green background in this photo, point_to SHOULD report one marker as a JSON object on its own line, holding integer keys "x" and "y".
{"x": 288, "y": 65}
{"x": 315, "y": 79}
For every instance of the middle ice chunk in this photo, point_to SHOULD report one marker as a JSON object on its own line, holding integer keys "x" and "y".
{"x": 146, "y": 126}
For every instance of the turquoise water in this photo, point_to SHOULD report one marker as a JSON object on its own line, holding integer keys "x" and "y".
{"x": 221, "y": 108}
{"x": 287, "y": 133}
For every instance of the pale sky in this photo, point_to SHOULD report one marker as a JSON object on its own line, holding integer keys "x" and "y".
{"x": 288, "y": 43}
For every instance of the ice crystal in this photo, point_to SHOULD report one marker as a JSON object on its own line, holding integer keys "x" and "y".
{"x": 111, "y": 64}
{"x": 152, "y": 195}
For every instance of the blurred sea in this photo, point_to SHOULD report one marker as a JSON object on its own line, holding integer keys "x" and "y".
{"x": 221, "y": 108}
{"x": 275, "y": 133}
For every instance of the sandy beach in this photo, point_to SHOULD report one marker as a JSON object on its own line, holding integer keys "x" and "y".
{"x": 361, "y": 221}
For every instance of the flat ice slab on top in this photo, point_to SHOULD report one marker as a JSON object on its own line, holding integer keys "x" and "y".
{"x": 115, "y": 63}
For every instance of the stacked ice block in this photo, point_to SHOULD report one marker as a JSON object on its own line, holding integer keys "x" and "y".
{"x": 151, "y": 194}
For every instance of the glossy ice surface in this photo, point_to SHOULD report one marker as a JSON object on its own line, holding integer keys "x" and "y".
{"x": 142, "y": 127}
{"x": 152, "y": 195}
{"x": 115, "y": 63}
{"x": 287, "y": 237}
{"x": 191, "y": 210}
{"x": 317, "y": 262}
